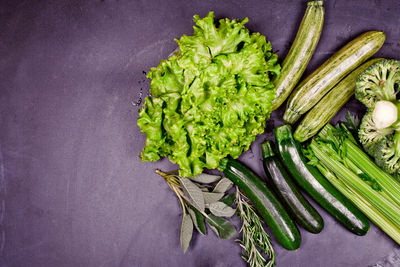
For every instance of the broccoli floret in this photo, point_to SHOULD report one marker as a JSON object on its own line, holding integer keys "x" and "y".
{"x": 378, "y": 82}
{"x": 379, "y": 132}
{"x": 370, "y": 135}
{"x": 386, "y": 155}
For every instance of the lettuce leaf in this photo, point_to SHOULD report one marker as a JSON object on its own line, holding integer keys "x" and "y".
{"x": 211, "y": 98}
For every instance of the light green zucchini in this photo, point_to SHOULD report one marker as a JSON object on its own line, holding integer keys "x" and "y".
{"x": 330, "y": 104}
{"x": 300, "y": 53}
{"x": 318, "y": 83}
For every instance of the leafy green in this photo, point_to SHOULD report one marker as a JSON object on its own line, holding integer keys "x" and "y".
{"x": 211, "y": 98}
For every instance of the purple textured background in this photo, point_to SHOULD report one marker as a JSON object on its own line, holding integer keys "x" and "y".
{"x": 73, "y": 191}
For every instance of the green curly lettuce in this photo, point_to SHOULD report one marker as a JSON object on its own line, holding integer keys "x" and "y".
{"x": 211, "y": 98}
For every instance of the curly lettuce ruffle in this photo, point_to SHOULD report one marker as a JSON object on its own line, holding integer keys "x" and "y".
{"x": 211, "y": 98}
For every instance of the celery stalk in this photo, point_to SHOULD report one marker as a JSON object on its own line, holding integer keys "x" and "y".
{"x": 370, "y": 211}
{"x": 388, "y": 208}
{"x": 359, "y": 158}
{"x": 345, "y": 141}
{"x": 358, "y": 171}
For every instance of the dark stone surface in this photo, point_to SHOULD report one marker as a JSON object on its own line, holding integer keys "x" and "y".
{"x": 73, "y": 191}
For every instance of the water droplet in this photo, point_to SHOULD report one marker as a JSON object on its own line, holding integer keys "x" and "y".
{"x": 139, "y": 101}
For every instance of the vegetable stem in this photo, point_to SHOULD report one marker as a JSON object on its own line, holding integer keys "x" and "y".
{"x": 372, "y": 213}
{"x": 387, "y": 182}
{"x": 375, "y": 198}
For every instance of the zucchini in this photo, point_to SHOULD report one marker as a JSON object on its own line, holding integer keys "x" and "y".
{"x": 318, "y": 83}
{"x": 300, "y": 209}
{"x": 300, "y": 52}
{"x": 317, "y": 186}
{"x": 330, "y": 104}
{"x": 265, "y": 202}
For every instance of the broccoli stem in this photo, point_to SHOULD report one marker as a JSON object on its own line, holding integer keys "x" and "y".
{"x": 385, "y": 114}
{"x": 396, "y": 125}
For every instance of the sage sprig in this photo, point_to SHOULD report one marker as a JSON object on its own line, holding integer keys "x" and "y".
{"x": 255, "y": 241}
{"x": 202, "y": 202}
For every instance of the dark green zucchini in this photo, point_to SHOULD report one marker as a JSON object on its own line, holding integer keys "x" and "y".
{"x": 265, "y": 202}
{"x": 317, "y": 186}
{"x": 300, "y": 209}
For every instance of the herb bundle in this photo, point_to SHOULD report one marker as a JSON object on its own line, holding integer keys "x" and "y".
{"x": 202, "y": 203}
{"x": 203, "y": 200}
{"x": 255, "y": 241}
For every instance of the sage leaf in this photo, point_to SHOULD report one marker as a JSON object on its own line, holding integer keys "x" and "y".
{"x": 204, "y": 189}
{"x": 222, "y": 227}
{"x": 193, "y": 193}
{"x": 210, "y": 197}
{"x": 223, "y": 185}
{"x": 198, "y": 221}
{"x": 186, "y": 232}
{"x": 229, "y": 199}
{"x": 205, "y": 178}
{"x": 221, "y": 209}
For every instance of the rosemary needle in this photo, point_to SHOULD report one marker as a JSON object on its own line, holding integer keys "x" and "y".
{"x": 255, "y": 241}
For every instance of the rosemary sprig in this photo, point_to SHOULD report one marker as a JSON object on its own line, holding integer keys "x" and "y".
{"x": 255, "y": 241}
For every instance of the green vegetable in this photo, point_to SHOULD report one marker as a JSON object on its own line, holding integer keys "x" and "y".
{"x": 329, "y": 105}
{"x": 300, "y": 209}
{"x": 211, "y": 98}
{"x": 254, "y": 237}
{"x": 300, "y": 52}
{"x": 377, "y": 89}
{"x": 336, "y": 149}
{"x": 316, "y": 185}
{"x": 265, "y": 202}
{"x": 318, "y": 83}
{"x": 370, "y": 211}
{"x": 198, "y": 206}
